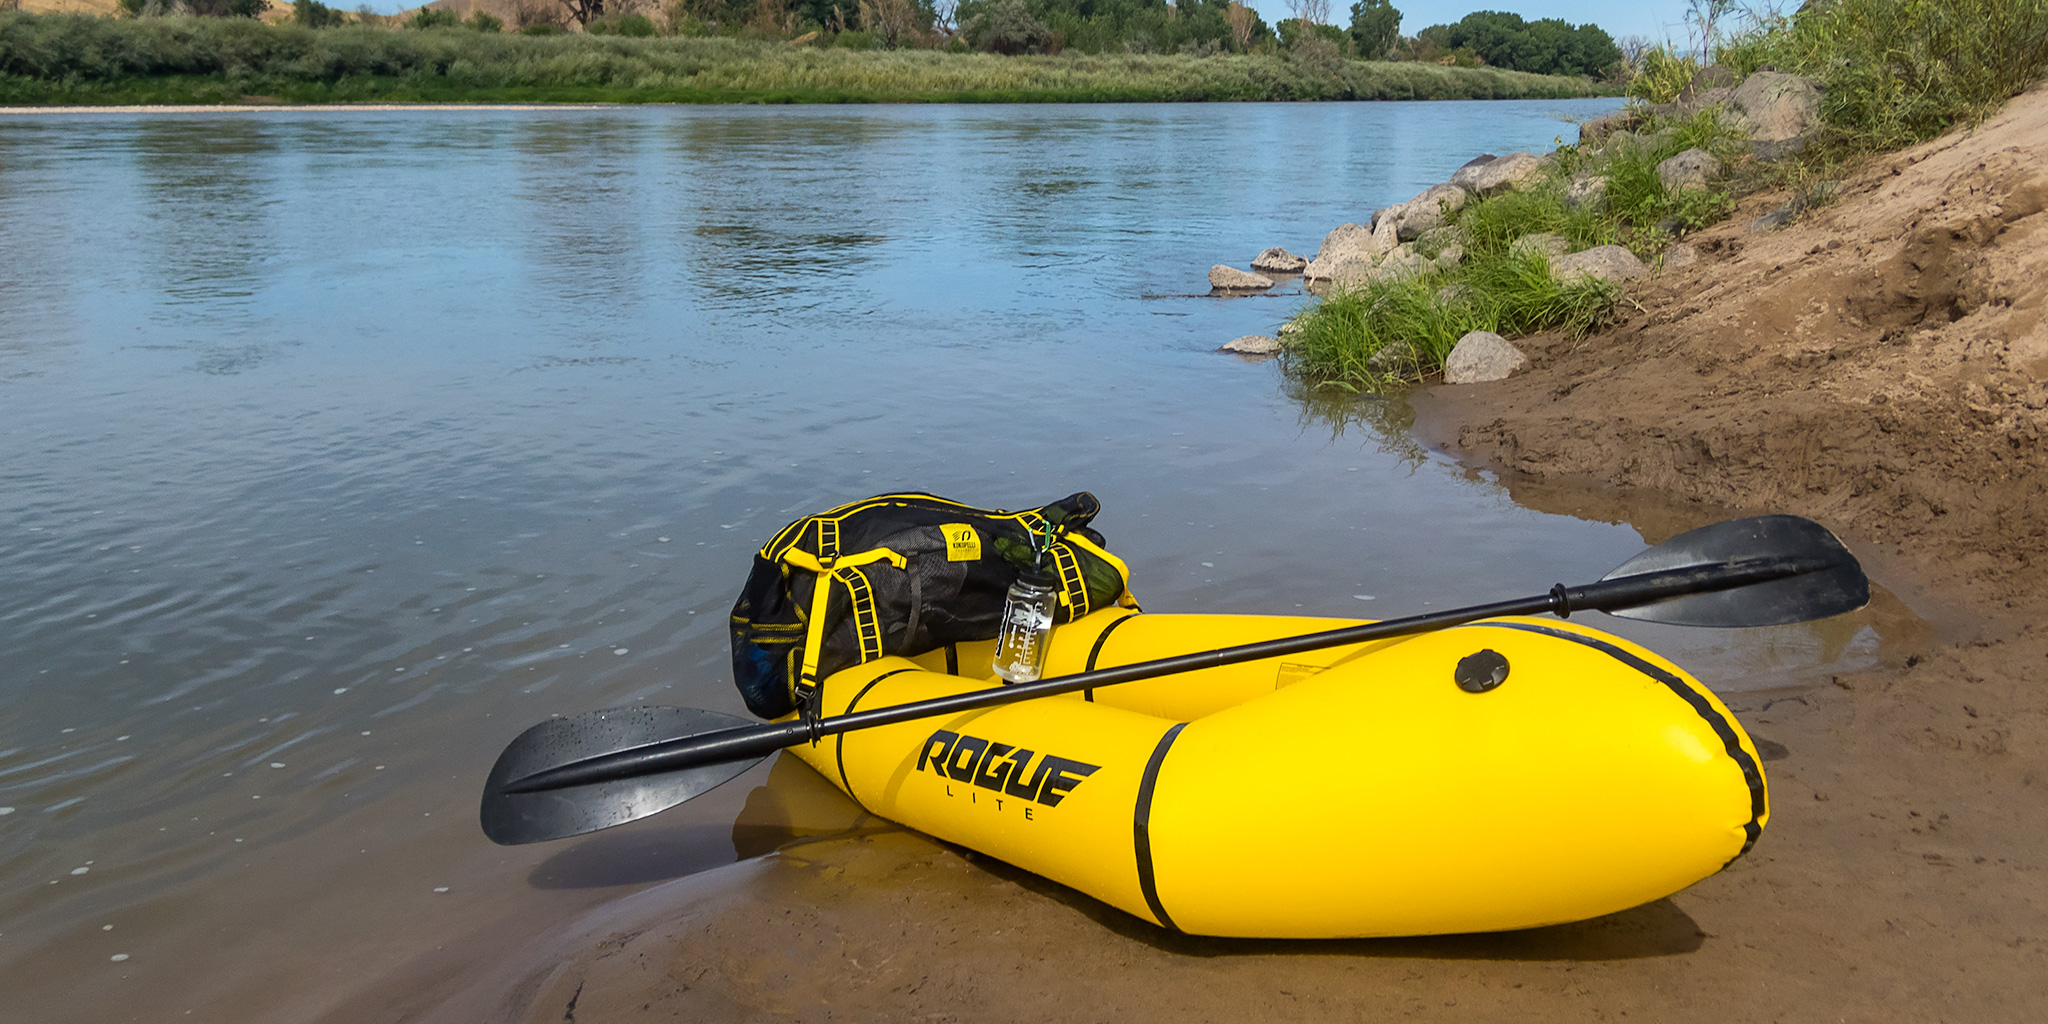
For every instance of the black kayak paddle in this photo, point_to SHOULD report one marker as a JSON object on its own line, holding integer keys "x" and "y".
{"x": 577, "y": 774}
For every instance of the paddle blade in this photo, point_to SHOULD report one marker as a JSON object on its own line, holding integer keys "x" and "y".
{"x": 1836, "y": 585}
{"x": 511, "y": 819}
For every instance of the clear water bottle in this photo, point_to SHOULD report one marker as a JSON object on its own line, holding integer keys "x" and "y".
{"x": 1027, "y": 624}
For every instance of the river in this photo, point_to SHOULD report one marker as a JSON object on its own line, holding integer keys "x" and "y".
{"x": 340, "y": 446}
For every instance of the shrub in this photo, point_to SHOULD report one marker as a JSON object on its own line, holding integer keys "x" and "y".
{"x": 482, "y": 22}
{"x": 1336, "y": 341}
{"x": 1896, "y": 72}
{"x": 632, "y": 26}
{"x": 1663, "y": 76}
{"x": 1492, "y": 225}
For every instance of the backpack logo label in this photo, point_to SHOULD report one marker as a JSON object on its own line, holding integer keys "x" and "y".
{"x": 962, "y": 543}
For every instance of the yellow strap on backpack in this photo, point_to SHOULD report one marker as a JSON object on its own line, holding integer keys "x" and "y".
{"x": 845, "y": 569}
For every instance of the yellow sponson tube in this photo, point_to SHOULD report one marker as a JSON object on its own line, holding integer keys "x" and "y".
{"x": 1503, "y": 774}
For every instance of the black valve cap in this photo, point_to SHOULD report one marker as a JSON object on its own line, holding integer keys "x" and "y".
{"x": 1478, "y": 673}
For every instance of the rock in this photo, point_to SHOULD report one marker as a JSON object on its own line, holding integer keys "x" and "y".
{"x": 1680, "y": 256}
{"x": 1423, "y": 212}
{"x": 1687, "y": 106}
{"x": 1779, "y": 112}
{"x": 1386, "y": 236}
{"x": 1618, "y": 142}
{"x": 1403, "y": 263}
{"x": 1693, "y": 168}
{"x": 1291, "y": 327}
{"x": 1344, "y": 238}
{"x": 1394, "y": 357}
{"x": 1606, "y": 262}
{"x": 1655, "y": 140}
{"x": 1713, "y": 76}
{"x": 1549, "y": 245}
{"x": 1279, "y": 261}
{"x": 1587, "y": 192}
{"x": 1513, "y": 171}
{"x": 1450, "y": 256}
{"x": 1347, "y": 241}
{"x": 1777, "y": 218}
{"x": 1819, "y": 193}
{"x": 1351, "y": 271}
{"x": 1231, "y": 279}
{"x": 1482, "y": 356}
{"x": 1253, "y": 345}
{"x": 1452, "y": 294}
{"x": 1601, "y": 127}
{"x": 1462, "y": 177}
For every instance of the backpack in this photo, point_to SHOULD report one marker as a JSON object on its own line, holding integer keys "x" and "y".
{"x": 901, "y": 574}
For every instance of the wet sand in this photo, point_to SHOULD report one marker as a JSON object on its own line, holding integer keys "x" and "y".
{"x": 1887, "y": 386}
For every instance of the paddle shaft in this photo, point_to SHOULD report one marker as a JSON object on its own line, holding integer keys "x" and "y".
{"x": 759, "y": 741}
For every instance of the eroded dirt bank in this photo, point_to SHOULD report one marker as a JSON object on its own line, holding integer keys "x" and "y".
{"x": 1882, "y": 366}
{"x": 1879, "y": 367}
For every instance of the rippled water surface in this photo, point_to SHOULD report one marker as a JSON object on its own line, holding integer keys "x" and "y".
{"x": 337, "y": 447}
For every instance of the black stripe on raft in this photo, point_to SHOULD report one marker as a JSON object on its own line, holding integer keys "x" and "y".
{"x": 1096, "y": 651}
{"x": 1142, "y": 831}
{"x": 1730, "y": 742}
{"x": 839, "y": 740}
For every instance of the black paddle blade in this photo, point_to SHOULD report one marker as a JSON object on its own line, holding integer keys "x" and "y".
{"x": 1835, "y": 585}
{"x": 511, "y": 819}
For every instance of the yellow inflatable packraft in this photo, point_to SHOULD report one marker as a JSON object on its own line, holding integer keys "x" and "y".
{"x": 1503, "y": 774}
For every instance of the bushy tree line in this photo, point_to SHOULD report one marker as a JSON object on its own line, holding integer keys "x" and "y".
{"x": 1548, "y": 46}
{"x": 1195, "y": 27}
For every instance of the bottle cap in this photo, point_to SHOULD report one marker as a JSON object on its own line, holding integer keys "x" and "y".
{"x": 1037, "y": 577}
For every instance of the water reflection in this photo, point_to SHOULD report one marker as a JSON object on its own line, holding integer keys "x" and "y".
{"x": 1385, "y": 422}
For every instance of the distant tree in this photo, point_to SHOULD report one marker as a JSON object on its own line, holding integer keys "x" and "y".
{"x": 1240, "y": 18}
{"x": 314, "y": 14}
{"x": 894, "y": 22}
{"x": 227, "y": 8}
{"x": 433, "y": 17}
{"x": 1633, "y": 49}
{"x": 1006, "y": 26}
{"x": 584, "y": 10}
{"x": 1375, "y": 28}
{"x": 196, "y": 8}
{"x": 1545, "y": 47}
{"x": 1310, "y": 12}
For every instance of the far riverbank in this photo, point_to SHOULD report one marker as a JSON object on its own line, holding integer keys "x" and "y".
{"x": 83, "y": 60}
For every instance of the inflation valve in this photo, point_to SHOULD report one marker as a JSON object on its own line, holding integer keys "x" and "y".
{"x": 1478, "y": 673}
